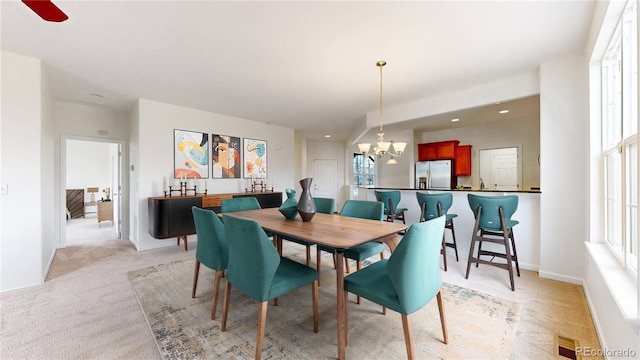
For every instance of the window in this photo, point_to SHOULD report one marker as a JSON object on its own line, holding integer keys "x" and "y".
{"x": 364, "y": 170}
{"x": 619, "y": 69}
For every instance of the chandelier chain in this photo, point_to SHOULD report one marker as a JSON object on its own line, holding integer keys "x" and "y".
{"x": 381, "y": 64}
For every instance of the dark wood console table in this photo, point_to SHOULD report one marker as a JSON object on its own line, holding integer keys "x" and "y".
{"x": 171, "y": 216}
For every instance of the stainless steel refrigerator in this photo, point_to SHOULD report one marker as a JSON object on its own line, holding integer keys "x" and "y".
{"x": 436, "y": 174}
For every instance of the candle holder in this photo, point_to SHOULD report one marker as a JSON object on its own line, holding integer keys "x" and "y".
{"x": 183, "y": 190}
{"x": 262, "y": 185}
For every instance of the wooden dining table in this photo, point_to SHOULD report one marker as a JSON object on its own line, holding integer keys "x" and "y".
{"x": 338, "y": 232}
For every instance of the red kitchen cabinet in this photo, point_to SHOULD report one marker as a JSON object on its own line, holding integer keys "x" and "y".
{"x": 463, "y": 160}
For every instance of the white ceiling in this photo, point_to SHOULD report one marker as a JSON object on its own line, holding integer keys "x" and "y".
{"x": 305, "y": 65}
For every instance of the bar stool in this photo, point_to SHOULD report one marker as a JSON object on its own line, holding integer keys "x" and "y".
{"x": 436, "y": 205}
{"x": 493, "y": 224}
{"x": 390, "y": 199}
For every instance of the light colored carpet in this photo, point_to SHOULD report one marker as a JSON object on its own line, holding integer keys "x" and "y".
{"x": 87, "y": 230}
{"x": 480, "y": 326}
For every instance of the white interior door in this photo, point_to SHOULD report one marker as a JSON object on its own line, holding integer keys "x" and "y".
{"x": 499, "y": 169}
{"x": 325, "y": 178}
{"x": 504, "y": 172}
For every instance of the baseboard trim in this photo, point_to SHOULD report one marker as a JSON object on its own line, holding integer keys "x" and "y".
{"x": 560, "y": 277}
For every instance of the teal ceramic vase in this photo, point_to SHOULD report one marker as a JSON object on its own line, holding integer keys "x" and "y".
{"x": 306, "y": 205}
{"x": 289, "y": 207}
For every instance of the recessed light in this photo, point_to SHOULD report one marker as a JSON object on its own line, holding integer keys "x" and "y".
{"x": 503, "y": 111}
{"x": 327, "y": 136}
{"x": 455, "y": 120}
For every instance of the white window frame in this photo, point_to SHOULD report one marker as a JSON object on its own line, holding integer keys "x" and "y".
{"x": 619, "y": 119}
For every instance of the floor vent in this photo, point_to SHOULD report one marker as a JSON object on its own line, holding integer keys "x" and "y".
{"x": 567, "y": 347}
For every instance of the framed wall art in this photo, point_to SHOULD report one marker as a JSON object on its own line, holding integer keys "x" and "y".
{"x": 255, "y": 158}
{"x": 190, "y": 154}
{"x": 225, "y": 157}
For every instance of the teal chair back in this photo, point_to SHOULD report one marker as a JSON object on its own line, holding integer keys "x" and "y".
{"x": 384, "y": 197}
{"x": 239, "y": 204}
{"x": 253, "y": 260}
{"x": 431, "y": 204}
{"x": 212, "y": 249}
{"x": 324, "y": 205}
{"x": 490, "y": 212}
{"x": 414, "y": 266}
{"x": 373, "y": 210}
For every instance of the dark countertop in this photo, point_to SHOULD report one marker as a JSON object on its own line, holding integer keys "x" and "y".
{"x": 463, "y": 190}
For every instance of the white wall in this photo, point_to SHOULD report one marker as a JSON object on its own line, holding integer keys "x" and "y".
{"x": 22, "y": 243}
{"x": 564, "y": 181}
{"x": 47, "y": 165}
{"x": 132, "y": 175}
{"x": 88, "y": 165}
{"x": 155, "y": 155}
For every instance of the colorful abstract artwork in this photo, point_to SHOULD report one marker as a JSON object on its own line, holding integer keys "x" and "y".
{"x": 255, "y": 158}
{"x": 225, "y": 157}
{"x": 190, "y": 154}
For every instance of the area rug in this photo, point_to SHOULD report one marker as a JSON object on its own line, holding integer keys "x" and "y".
{"x": 480, "y": 326}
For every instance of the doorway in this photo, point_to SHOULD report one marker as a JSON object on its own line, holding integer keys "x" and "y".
{"x": 92, "y": 170}
{"x": 325, "y": 178}
{"x": 500, "y": 169}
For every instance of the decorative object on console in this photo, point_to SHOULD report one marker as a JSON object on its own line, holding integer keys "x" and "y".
{"x": 107, "y": 194}
{"x": 93, "y": 191}
{"x": 306, "y": 205}
{"x": 184, "y": 189}
{"x": 190, "y": 154}
{"x": 290, "y": 206}
{"x": 225, "y": 157}
{"x": 255, "y": 159}
{"x": 390, "y": 148}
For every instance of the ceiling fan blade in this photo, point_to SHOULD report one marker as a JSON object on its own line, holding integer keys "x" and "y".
{"x": 46, "y": 10}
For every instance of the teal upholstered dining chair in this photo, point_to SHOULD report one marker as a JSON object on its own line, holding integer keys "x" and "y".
{"x": 408, "y": 280}
{"x": 242, "y": 203}
{"x": 211, "y": 249}
{"x": 436, "y": 205}
{"x": 239, "y": 204}
{"x": 256, "y": 269}
{"x": 372, "y": 210}
{"x": 323, "y": 205}
{"x": 391, "y": 199}
{"x": 494, "y": 224}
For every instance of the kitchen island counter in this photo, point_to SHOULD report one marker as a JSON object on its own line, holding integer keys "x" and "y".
{"x": 526, "y": 233}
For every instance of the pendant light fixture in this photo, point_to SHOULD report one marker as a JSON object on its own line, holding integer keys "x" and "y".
{"x": 390, "y": 148}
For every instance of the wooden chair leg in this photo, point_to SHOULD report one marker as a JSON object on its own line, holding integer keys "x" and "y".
{"x": 515, "y": 253}
{"x": 225, "y": 306}
{"x": 507, "y": 251}
{"x": 358, "y": 267}
{"x": 455, "y": 244}
{"x": 308, "y": 254}
{"x": 408, "y": 336}
{"x": 314, "y": 296}
{"x": 195, "y": 279}
{"x": 470, "y": 259}
{"x": 346, "y": 265}
{"x": 444, "y": 253}
{"x": 443, "y": 319}
{"x": 262, "y": 319}
{"x": 216, "y": 291}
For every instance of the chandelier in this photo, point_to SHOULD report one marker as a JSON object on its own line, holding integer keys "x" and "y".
{"x": 390, "y": 148}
